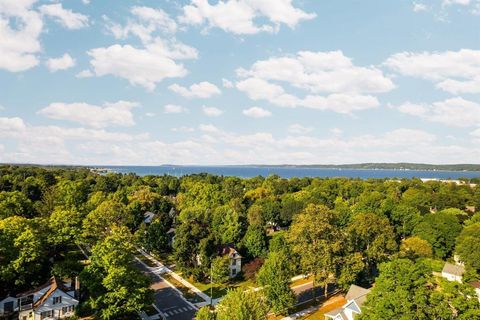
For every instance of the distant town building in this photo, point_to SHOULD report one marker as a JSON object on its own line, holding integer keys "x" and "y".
{"x": 55, "y": 299}
{"x": 356, "y": 297}
{"x": 476, "y": 286}
{"x": 235, "y": 262}
{"x": 453, "y": 272}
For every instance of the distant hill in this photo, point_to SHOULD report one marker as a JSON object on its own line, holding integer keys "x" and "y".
{"x": 391, "y": 166}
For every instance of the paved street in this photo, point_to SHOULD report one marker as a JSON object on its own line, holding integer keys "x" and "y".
{"x": 304, "y": 292}
{"x": 167, "y": 299}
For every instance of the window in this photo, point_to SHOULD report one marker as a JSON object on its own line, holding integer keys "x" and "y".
{"x": 64, "y": 310}
{"x": 8, "y": 307}
{"x": 57, "y": 300}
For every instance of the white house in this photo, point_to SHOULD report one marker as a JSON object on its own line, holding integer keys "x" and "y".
{"x": 476, "y": 286}
{"x": 356, "y": 297}
{"x": 8, "y": 306}
{"x": 53, "y": 300}
{"x": 453, "y": 272}
{"x": 235, "y": 260}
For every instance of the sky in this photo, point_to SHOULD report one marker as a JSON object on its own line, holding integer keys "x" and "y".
{"x": 209, "y": 82}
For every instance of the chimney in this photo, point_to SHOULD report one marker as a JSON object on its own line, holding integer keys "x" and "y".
{"x": 77, "y": 288}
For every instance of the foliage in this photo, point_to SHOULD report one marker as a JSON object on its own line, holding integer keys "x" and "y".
{"x": 242, "y": 305}
{"x": 220, "y": 269}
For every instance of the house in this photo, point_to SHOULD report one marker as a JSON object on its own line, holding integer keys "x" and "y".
{"x": 148, "y": 217}
{"x": 55, "y": 299}
{"x": 470, "y": 209}
{"x": 356, "y": 297}
{"x": 453, "y": 272}
{"x": 476, "y": 286}
{"x": 235, "y": 263}
{"x": 8, "y": 306}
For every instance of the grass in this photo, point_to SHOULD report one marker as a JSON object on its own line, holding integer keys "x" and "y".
{"x": 165, "y": 258}
{"x": 147, "y": 261}
{"x": 187, "y": 293}
{"x": 299, "y": 282}
{"x": 331, "y": 304}
{"x": 219, "y": 290}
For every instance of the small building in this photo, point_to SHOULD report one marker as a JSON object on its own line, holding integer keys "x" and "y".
{"x": 235, "y": 259}
{"x": 8, "y": 306}
{"x": 356, "y": 297}
{"x": 53, "y": 300}
{"x": 148, "y": 217}
{"x": 470, "y": 209}
{"x": 453, "y": 272}
{"x": 476, "y": 286}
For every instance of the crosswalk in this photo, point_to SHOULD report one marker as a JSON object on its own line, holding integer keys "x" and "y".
{"x": 175, "y": 311}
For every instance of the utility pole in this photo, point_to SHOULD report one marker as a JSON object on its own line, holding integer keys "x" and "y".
{"x": 211, "y": 286}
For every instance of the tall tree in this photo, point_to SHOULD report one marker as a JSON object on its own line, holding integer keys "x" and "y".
{"x": 275, "y": 276}
{"x": 317, "y": 240}
{"x": 242, "y": 305}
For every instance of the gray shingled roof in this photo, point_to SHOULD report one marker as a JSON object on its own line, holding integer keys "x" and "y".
{"x": 453, "y": 269}
{"x": 358, "y": 294}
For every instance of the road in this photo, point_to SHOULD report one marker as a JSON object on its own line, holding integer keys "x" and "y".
{"x": 304, "y": 292}
{"x": 169, "y": 301}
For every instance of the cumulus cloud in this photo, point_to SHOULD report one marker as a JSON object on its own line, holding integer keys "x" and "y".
{"x": 227, "y": 84}
{"x": 419, "y": 7}
{"x": 145, "y": 66}
{"x": 241, "y": 16}
{"x": 297, "y": 128}
{"x": 66, "y": 17}
{"x": 172, "y": 108}
{"x": 19, "y": 43}
{"x": 452, "y": 71}
{"x": 348, "y": 88}
{"x": 212, "y": 111}
{"x": 116, "y": 114}
{"x": 202, "y": 89}
{"x": 144, "y": 23}
{"x": 454, "y": 112}
{"x": 256, "y": 112}
{"x": 62, "y": 63}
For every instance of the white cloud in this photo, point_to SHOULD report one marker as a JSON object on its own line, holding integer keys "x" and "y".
{"x": 212, "y": 111}
{"x": 145, "y": 67}
{"x": 117, "y": 114}
{"x": 172, "y": 108}
{"x": 62, "y": 63}
{"x": 452, "y": 71}
{"x": 202, "y": 90}
{"x": 66, "y": 17}
{"x": 227, "y": 84}
{"x": 20, "y": 28}
{"x": 240, "y": 16}
{"x": 183, "y": 129}
{"x": 455, "y": 112}
{"x": 456, "y": 2}
{"x": 84, "y": 74}
{"x": 146, "y": 21}
{"x": 419, "y": 7}
{"x": 347, "y": 86}
{"x": 150, "y": 114}
{"x": 256, "y": 112}
{"x": 297, "y": 128}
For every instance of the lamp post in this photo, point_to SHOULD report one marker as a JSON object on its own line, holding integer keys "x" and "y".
{"x": 211, "y": 285}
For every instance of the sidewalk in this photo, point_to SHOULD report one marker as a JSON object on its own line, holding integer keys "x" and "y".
{"x": 161, "y": 267}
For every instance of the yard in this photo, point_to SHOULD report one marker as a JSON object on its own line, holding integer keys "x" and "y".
{"x": 219, "y": 290}
{"x": 331, "y": 304}
{"x": 187, "y": 293}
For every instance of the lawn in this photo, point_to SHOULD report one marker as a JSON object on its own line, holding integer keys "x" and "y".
{"x": 219, "y": 290}
{"x": 299, "y": 282}
{"x": 187, "y": 293}
{"x": 166, "y": 258}
{"x": 147, "y": 261}
{"x": 331, "y": 304}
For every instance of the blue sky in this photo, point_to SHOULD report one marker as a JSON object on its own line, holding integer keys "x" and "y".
{"x": 239, "y": 81}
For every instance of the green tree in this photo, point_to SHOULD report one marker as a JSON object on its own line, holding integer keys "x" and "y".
{"x": 242, "y": 305}
{"x": 65, "y": 226}
{"x": 15, "y": 204}
{"x": 255, "y": 241}
{"x": 204, "y": 313}
{"x": 275, "y": 276}
{"x": 118, "y": 289}
{"x": 220, "y": 270}
{"x": 317, "y": 240}
{"x": 441, "y": 231}
{"x": 468, "y": 246}
{"x": 415, "y": 247}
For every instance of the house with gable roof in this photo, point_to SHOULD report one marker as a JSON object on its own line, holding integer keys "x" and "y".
{"x": 356, "y": 297}
{"x": 55, "y": 299}
{"x": 453, "y": 272}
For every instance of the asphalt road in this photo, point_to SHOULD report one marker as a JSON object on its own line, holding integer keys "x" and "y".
{"x": 167, "y": 299}
{"x": 304, "y": 292}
